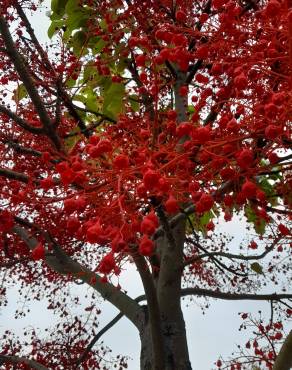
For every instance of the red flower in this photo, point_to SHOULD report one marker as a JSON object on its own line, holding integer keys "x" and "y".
{"x": 273, "y": 158}
{"x": 121, "y": 161}
{"x": 146, "y": 246}
{"x": 180, "y": 16}
{"x": 272, "y": 132}
{"x": 140, "y": 60}
{"x": 202, "y": 52}
{"x": 249, "y": 189}
{"x": 202, "y": 135}
{"x": 171, "y": 205}
{"x": 278, "y": 335}
{"x": 107, "y": 264}
{"x": 245, "y": 158}
{"x": 95, "y": 234}
{"x": 6, "y": 221}
{"x": 38, "y": 253}
{"x": 184, "y": 129}
{"x": 151, "y": 179}
{"x": 205, "y": 203}
{"x": 69, "y": 206}
{"x": 241, "y": 81}
{"x": 283, "y": 229}
{"x": 253, "y": 245}
{"x": 273, "y": 8}
{"x": 118, "y": 244}
{"x": 147, "y": 226}
{"x": 73, "y": 224}
{"x": 210, "y": 226}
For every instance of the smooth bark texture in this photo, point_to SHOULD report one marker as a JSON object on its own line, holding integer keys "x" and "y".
{"x": 65, "y": 265}
{"x": 284, "y": 358}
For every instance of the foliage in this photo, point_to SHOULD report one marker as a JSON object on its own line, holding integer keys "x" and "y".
{"x": 125, "y": 140}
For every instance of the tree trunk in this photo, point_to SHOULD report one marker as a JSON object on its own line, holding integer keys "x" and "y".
{"x": 175, "y": 347}
{"x": 168, "y": 290}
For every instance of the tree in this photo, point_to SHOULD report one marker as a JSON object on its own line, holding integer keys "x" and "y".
{"x": 124, "y": 141}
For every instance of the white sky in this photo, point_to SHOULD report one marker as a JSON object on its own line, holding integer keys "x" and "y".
{"x": 209, "y": 335}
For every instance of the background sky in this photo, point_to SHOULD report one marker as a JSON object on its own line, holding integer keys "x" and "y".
{"x": 210, "y": 334}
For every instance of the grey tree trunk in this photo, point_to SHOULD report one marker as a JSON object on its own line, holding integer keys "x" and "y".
{"x": 168, "y": 291}
{"x": 175, "y": 344}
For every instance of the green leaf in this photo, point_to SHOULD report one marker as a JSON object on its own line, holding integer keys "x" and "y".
{"x": 113, "y": 100}
{"x": 78, "y": 40}
{"x": 71, "y": 141}
{"x": 200, "y": 222}
{"x": 256, "y": 267}
{"x": 258, "y": 223}
{"x": 205, "y": 218}
{"x": 97, "y": 46}
{"x": 19, "y": 93}
{"x": 70, "y": 82}
{"x": 72, "y": 6}
{"x": 58, "y": 6}
{"x": 134, "y": 103}
{"x": 191, "y": 109}
{"x": 260, "y": 226}
{"x": 55, "y": 26}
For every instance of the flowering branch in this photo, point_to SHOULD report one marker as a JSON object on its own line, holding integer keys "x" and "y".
{"x": 18, "y": 360}
{"x": 61, "y": 263}
{"x": 25, "y": 77}
{"x": 234, "y": 296}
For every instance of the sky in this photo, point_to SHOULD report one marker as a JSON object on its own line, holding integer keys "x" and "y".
{"x": 209, "y": 335}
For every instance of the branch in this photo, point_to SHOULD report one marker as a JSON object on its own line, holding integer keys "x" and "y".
{"x": 61, "y": 263}
{"x": 70, "y": 106}
{"x": 18, "y": 360}
{"x": 60, "y": 88}
{"x": 98, "y": 114}
{"x": 20, "y": 121}
{"x": 284, "y": 358}
{"x": 153, "y": 310}
{"x": 25, "y": 77}
{"x": 9, "y": 174}
{"x": 234, "y": 296}
{"x": 12, "y": 263}
{"x": 166, "y": 227}
{"x": 21, "y": 149}
{"x": 194, "y": 69}
{"x": 103, "y": 331}
{"x": 233, "y": 256}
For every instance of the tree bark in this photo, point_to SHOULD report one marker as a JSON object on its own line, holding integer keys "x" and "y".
{"x": 175, "y": 360}
{"x": 284, "y": 358}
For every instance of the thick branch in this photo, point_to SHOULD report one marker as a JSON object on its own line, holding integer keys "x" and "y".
{"x": 9, "y": 174}
{"x": 194, "y": 69}
{"x": 233, "y": 296}
{"x": 61, "y": 263}
{"x": 103, "y": 331}
{"x": 22, "y": 360}
{"x": 284, "y": 358}
{"x": 21, "y": 149}
{"x": 20, "y": 121}
{"x": 153, "y": 310}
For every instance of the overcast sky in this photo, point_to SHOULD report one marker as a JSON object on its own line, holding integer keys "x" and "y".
{"x": 209, "y": 335}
